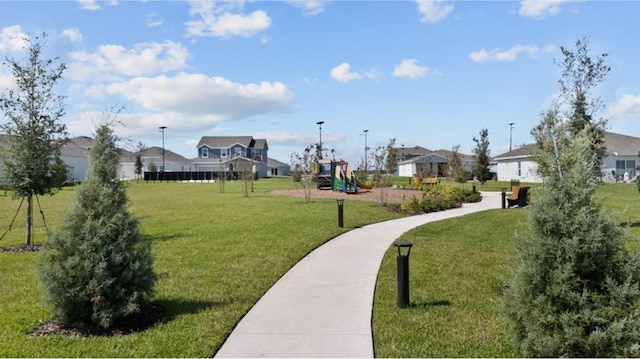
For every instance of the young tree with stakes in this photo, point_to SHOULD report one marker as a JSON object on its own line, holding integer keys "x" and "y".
{"x": 31, "y": 161}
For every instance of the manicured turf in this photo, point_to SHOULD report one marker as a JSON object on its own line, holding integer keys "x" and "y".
{"x": 458, "y": 268}
{"x": 216, "y": 254}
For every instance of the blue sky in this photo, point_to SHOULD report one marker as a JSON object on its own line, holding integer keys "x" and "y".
{"x": 428, "y": 73}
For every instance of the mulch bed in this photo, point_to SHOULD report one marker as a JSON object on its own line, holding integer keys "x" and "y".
{"x": 21, "y": 248}
{"x": 148, "y": 315}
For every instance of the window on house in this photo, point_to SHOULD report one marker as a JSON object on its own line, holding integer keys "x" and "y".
{"x": 257, "y": 153}
{"x": 205, "y": 152}
{"x": 237, "y": 152}
{"x": 519, "y": 169}
{"x": 223, "y": 153}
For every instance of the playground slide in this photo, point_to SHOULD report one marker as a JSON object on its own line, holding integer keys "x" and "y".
{"x": 362, "y": 185}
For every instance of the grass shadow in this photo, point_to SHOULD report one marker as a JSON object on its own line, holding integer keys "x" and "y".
{"x": 161, "y": 238}
{"x": 174, "y": 308}
{"x": 434, "y": 303}
{"x": 630, "y": 224}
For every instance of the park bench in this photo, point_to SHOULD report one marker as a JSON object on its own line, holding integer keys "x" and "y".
{"x": 518, "y": 196}
{"x": 430, "y": 180}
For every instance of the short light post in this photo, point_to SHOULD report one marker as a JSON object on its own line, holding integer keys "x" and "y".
{"x": 340, "y": 212}
{"x": 403, "y": 274}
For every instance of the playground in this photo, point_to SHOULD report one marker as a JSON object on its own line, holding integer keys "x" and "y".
{"x": 338, "y": 176}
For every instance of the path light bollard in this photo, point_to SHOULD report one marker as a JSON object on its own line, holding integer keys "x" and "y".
{"x": 504, "y": 198}
{"x": 340, "y": 212}
{"x": 403, "y": 274}
{"x": 474, "y": 188}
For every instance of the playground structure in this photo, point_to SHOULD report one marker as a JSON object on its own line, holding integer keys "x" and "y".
{"x": 338, "y": 176}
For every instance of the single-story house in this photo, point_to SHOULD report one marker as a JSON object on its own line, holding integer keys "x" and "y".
{"x": 419, "y": 161}
{"x": 621, "y": 157}
{"x": 277, "y": 168}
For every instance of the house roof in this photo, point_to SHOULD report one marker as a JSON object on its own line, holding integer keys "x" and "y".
{"x": 448, "y": 154}
{"x": 523, "y": 151}
{"x": 228, "y": 141}
{"x": 616, "y": 144}
{"x": 412, "y": 151}
{"x": 275, "y": 163}
{"x": 430, "y": 158}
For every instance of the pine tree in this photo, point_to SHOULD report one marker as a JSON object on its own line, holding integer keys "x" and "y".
{"x": 97, "y": 268}
{"x": 481, "y": 154}
{"x": 575, "y": 291}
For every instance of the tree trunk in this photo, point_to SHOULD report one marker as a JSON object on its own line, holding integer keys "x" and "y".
{"x": 29, "y": 219}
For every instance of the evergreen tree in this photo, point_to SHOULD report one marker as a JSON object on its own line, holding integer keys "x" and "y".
{"x": 575, "y": 291}
{"x": 581, "y": 72}
{"x": 138, "y": 166}
{"x": 97, "y": 269}
{"x": 31, "y": 162}
{"x": 481, "y": 154}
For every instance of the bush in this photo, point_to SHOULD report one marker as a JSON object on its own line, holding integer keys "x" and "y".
{"x": 439, "y": 198}
{"x": 96, "y": 269}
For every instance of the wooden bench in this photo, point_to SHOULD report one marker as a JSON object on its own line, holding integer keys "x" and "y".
{"x": 518, "y": 196}
{"x": 430, "y": 180}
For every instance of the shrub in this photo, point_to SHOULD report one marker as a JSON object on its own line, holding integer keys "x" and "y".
{"x": 96, "y": 269}
{"x": 438, "y": 198}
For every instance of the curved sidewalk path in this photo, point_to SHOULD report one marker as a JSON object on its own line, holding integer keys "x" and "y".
{"x": 322, "y": 307}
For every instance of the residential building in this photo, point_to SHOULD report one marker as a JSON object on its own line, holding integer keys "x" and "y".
{"x": 222, "y": 153}
{"x": 277, "y": 168}
{"x": 621, "y": 158}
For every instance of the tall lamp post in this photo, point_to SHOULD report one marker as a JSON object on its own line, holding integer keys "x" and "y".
{"x": 162, "y": 130}
{"x": 319, "y": 123}
{"x": 510, "y": 133}
{"x": 366, "y": 148}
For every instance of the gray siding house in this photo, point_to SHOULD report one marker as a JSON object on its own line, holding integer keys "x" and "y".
{"x": 222, "y": 153}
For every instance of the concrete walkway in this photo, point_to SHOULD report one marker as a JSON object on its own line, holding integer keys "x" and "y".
{"x": 322, "y": 307}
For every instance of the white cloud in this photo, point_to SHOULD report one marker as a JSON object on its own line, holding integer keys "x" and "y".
{"x": 73, "y": 34}
{"x": 342, "y": 73}
{"x": 12, "y": 39}
{"x": 510, "y": 55}
{"x": 112, "y": 61}
{"x": 93, "y": 5}
{"x": 432, "y": 11}
{"x": 626, "y": 106}
{"x": 540, "y": 9}
{"x": 225, "y": 19}
{"x": 408, "y": 68}
{"x": 153, "y": 20}
{"x": 202, "y": 98}
{"x": 310, "y": 7}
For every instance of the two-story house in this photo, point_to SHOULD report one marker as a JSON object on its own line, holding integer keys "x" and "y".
{"x": 222, "y": 153}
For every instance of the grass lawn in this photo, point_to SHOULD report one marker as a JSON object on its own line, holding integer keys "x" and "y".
{"x": 457, "y": 269}
{"x": 216, "y": 254}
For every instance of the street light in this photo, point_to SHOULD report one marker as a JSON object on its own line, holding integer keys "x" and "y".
{"x": 510, "y": 133}
{"x": 162, "y": 130}
{"x": 366, "y": 148}
{"x": 319, "y": 123}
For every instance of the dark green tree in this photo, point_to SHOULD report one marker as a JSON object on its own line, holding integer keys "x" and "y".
{"x": 138, "y": 166}
{"x": 97, "y": 268}
{"x": 31, "y": 161}
{"x": 481, "y": 155}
